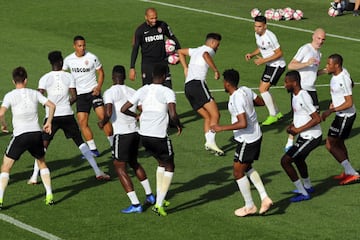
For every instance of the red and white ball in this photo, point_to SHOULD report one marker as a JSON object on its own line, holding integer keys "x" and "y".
{"x": 269, "y": 13}
{"x": 333, "y": 12}
{"x": 255, "y": 12}
{"x": 170, "y": 46}
{"x": 173, "y": 59}
{"x": 288, "y": 13}
{"x": 276, "y": 16}
{"x": 298, "y": 15}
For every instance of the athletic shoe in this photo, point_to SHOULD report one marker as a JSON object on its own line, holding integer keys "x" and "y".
{"x": 159, "y": 210}
{"x": 1, "y": 204}
{"x": 356, "y": 13}
{"x": 150, "y": 199}
{"x": 214, "y": 148}
{"x": 102, "y": 176}
{"x": 49, "y": 200}
{"x": 95, "y": 153}
{"x": 333, "y": 5}
{"x": 299, "y": 198}
{"x": 133, "y": 209}
{"x": 265, "y": 205}
{"x": 350, "y": 179}
{"x": 269, "y": 120}
{"x": 32, "y": 181}
{"x": 166, "y": 203}
{"x": 342, "y": 176}
{"x": 308, "y": 190}
{"x": 279, "y": 115}
{"x": 244, "y": 211}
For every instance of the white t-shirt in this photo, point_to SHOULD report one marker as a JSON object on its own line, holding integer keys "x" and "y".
{"x": 57, "y": 84}
{"x": 303, "y": 107}
{"x": 267, "y": 44}
{"x": 242, "y": 101}
{"x": 198, "y": 68}
{"x": 309, "y": 73}
{"x": 117, "y": 95}
{"x": 83, "y": 70}
{"x": 24, "y": 107}
{"x": 154, "y": 118}
{"x": 340, "y": 86}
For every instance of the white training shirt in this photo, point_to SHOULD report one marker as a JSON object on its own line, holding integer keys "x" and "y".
{"x": 198, "y": 68}
{"x": 24, "y": 108}
{"x": 117, "y": 95}
{"x": 154, "y": 118}
{"x": 57, "y": 84}
{"x": 242, "y": 101}
{"x": 267, "y": 44}
{"x": 303, "y": 107}
{"x": 308, "y": 74}
{"x": 83, "y": 70}
{"x": 340, "y": 86}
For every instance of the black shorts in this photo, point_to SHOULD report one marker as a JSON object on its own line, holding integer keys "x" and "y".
{"x": 272, "y": 74}
{"x": 31, "y": 142}
{"x": 301, "y": 149}
{"x": 160, "y": 148}
{"x": 247, "y": 152}
{"x": 66, "y": 123}
{"x": 85, "y": 101}
{"x": 341, "y": 127}
{"x": 197, "y": 93}
{"x": 147, "y": 71}
{"x": 126, "y": 147}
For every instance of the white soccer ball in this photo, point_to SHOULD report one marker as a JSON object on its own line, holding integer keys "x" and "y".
{"x": 298, "y": 15}
{"x": 173, "y": 59}
{"x": 269, "y": 13}
{"x": 288, "y": 14}
{"x": 276, "y": 16}
{"x": 255, "y": 12}
{"x": 333, "y": 12}
{"x": 170, "y": 46}
{"x": 281, "y": 11}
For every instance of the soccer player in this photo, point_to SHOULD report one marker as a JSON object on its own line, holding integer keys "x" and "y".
{"x": 27, "y": 134}
{"x": 84, "y": 66}
{"x": 343, "y": 106}
{"x": 157, "y": 103}
{"x": 58, "y": 84}
{"x": 196, "y": 90}
{"x": 126, "y": 139}
{"x": 306, "y": 62}
{"x": 272, "y": 56}
{"x": 151, "y": 36}
{"x": 248, "y": 136}
{"x": 306, "y": 124}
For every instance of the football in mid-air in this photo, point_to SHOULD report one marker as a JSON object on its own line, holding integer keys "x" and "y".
{"x": 170, "y": 46}
{"x": 255, "y": 12}
{"x": 173, "y": 59}
{"x": 333, "y": 12}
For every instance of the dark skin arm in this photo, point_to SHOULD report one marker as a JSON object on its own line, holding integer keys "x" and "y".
{"x": 239, "y": 124}
{"x": 174, "y": 117}
{"x": 315, "y": 119}
{"x": 347, "y": 104}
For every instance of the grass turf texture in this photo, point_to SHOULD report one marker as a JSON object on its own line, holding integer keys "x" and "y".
{"x": 203, "y": 194}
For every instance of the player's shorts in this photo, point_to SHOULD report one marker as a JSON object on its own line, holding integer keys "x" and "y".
{"x": 247, "y": 152}
{"x": 85, "y": 101}
{"x": 341, "y": 127}
{"x": 67, "y": 123}
{"x": 301, "y": 149}
{"x": 31, "y": 142}
{"x": 126, "y": 147}
{"x": 160, "y": 148}
{"x": 272, "y": 74}
{"x": 147, "y": 71}
{"x": 197, "y": 93}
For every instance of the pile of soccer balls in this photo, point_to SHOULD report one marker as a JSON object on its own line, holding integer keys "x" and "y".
{"x": 170, "y": 47}
{"x": 279, "y": 14}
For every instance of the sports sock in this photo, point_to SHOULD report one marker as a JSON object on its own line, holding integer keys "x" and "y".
{"x": 4, "y": 180}
{"x": 290, "y": 141}
{"x": 159, "y": 177}
{"x": 91, "y": 144}
{"x": 244, "y": 187}
{"x": 166, "y": 181}
{"x": 210, "y": 137}
{"x": 307, "y": 183}
{"x": 111, "y": 140}
{"x": 349, "y": 170}
{"x": 298, "y": 184}
{"x": 133, "y": 198}
{"x": 85, "y": 150}
{"x": 146, "y": 185}
{"x": 269, "y": 102}
{"x": 35, "y": 170}
{"x": 256, "y": 180}
{"x": 45, "y": 177}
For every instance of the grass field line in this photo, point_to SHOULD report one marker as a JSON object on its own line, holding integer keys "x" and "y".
{"x": 28, "y": 228}
{"x": 247, "y": 19}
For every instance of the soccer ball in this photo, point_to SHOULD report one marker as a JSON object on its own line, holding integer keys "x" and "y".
{"x": 255, "y": 12}
{"x": 269, "y": 13}
{"x": 170, "y": 46}
{"x": 281, "y": 12}
{"x": 333, "y": 12}
{"x": 173, "y": 59}
{"x": 288, "y": 13}
{"x": 298, "y": 15}
{"x": 276, "y": 16}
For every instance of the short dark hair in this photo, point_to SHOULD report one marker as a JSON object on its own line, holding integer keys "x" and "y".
{"x": 294, "y": 76}
{"x": 215, "y": 36}
{"x": 260, "y": 19}
{"x": 159, "y": 70}
{"x": 231, "y": 76}
{"x": 118, "y": 73}
{"x": 79, "y": 37}
{"x": 19, "y": 74}
{"x": 55, "y": 57}
{"x": 337, "y": 58}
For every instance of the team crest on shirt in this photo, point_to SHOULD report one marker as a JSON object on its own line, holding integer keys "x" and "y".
{"x": 86, "y": 62}
{"x": 159, "y": 30}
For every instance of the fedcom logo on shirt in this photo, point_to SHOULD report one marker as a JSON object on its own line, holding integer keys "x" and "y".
{"x": 153, "y": 38}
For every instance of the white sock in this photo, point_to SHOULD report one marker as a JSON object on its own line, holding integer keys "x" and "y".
{"x": 4, "y": 180}
{"x": 290, "y": 142}
{"x": 35, "y": 171}
{"x": 166, "y": 181}
{"x": 146, "y": 185}
{"x": 244, "y": 187}
{"x": 269, "y": 102}
{"x": 210, "y": 137}
{"x": 45, "y": 177}
{"x": 111, "y": 140}
{"x": 349, "y": 170}
{"x": 298, "y": 184}
{"x": 91, "y": 144}
{"x": 307, "y": 182}
{"x": 133, "y": 198}
{"x": 159, "y": 177}
{"x": 85, "y": 150}
{"x": 256, "y": 180}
